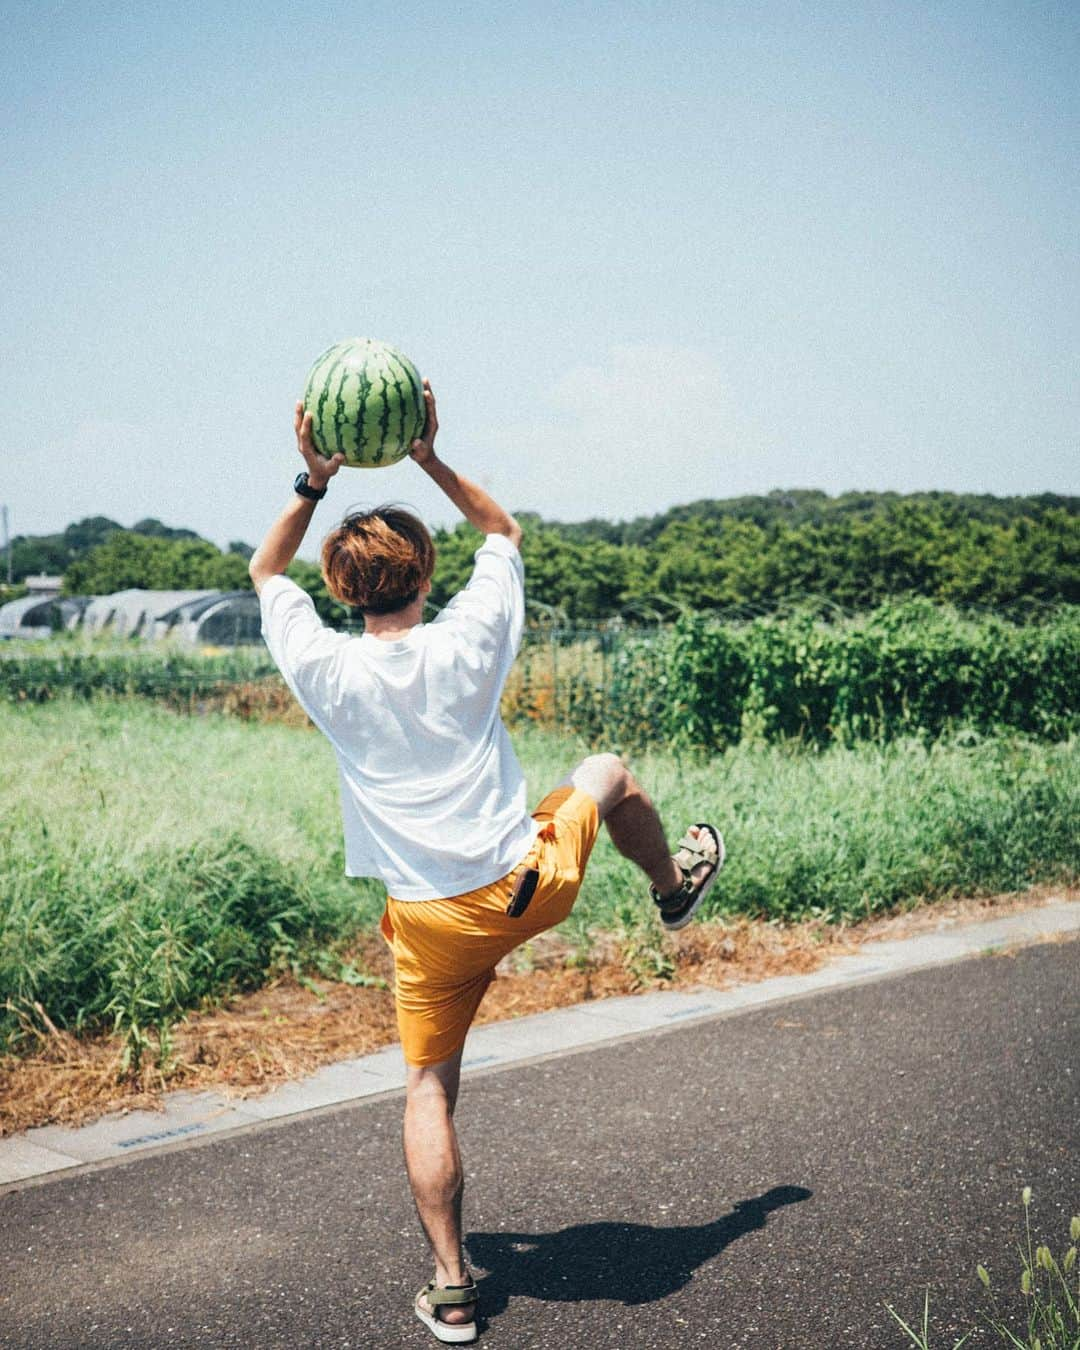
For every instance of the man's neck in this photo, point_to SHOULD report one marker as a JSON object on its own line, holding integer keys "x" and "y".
{"x": 390, "y": 627}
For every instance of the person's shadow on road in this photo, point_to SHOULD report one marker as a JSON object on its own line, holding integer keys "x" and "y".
{"x": 629, "y": 1262}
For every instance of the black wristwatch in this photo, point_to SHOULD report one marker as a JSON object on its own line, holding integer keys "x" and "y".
{"x": 305, "y": 489}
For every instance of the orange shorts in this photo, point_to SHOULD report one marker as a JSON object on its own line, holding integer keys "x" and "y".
{"x": 445, "y": 951}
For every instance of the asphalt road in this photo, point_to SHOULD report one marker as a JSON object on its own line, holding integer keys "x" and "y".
{"x": 766, "y": 1180}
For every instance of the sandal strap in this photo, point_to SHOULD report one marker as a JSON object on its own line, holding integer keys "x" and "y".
{"x": 688, "y": 844}
{"x": 685, "y": 888}
{"x": 450, "y": 1295}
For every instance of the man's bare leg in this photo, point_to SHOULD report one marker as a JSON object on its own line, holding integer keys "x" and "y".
{"x": 431, "y": 1149}
{"x": 435, "y": 1175}
{"x": 631, "y": 819}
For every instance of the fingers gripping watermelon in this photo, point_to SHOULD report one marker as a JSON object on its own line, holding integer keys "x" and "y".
{"x": 366, "y": 402}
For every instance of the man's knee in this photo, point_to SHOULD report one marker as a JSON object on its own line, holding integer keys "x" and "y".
{"x": 433, "y": 1083}
{"x": 605, "y": 778}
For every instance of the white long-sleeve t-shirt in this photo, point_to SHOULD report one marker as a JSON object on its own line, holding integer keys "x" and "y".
{"x": 432, "y": 795}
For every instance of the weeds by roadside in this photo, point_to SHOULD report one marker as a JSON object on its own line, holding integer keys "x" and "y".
{"x": 645, "y": 953}
{"x": 1051, "y": 1292}
{"x": 150, "y": 862}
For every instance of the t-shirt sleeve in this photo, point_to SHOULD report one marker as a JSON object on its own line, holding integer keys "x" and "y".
{"x": 493, "y": 602}
{"x": 304, "y": 649}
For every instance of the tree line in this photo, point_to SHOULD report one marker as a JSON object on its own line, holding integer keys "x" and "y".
{"x": 757, "y": 555}
{"x": 736, "y": 556}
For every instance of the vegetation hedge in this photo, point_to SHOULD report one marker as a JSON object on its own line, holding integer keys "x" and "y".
{"x": 151, "y": 862}
{"x": 747, "y": 554}
{"x": 906, "y": 669}
{"x": 758, "y": 555}
{"x": 132, "y": 942}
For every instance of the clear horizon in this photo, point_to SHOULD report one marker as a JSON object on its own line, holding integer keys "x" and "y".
{"x": 646, "y": 254}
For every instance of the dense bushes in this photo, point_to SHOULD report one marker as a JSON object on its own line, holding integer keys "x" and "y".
{"x": 127, "y": 559}
{"x": 746, "y": 554}
{"x": 149, "y": 862}
{"x": 132, "y": 942}
{"x": 847, "y": 832}
{"x": 905, "y": 669}
{"x": 758, "y": 555}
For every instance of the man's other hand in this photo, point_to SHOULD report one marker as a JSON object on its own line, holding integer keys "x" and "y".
{"x": 319, "y": 469}
{"x": 423, "y": 448}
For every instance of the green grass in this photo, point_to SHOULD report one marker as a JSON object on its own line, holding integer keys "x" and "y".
{"x": 150, "y": 860}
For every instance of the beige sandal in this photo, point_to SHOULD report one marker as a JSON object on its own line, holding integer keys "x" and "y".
{"x": 453, "y": 1295}
{"x": 678, "y": 908}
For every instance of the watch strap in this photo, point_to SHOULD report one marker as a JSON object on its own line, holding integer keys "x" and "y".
{"x": 304, "y": 488}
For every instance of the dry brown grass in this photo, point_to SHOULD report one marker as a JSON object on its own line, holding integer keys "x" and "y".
{"x": 266, "y": 700}
{"x": 259, "y": 1040}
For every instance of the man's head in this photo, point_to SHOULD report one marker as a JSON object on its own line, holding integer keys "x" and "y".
{"x": 378, "y": 561}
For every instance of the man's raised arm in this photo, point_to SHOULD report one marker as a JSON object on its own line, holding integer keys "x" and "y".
{"x": 286, "y": 534}
{"x": 478, "y": 508}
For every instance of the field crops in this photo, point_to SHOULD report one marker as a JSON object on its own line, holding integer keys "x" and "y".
{"x": 39, "y": 671}
{"x": 151, "y": 860}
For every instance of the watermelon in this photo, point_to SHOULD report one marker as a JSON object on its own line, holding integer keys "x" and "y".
{"x": 366, "y": 402}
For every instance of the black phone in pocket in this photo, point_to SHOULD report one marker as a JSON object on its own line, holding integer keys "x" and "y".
{"x": 522, "y": 893}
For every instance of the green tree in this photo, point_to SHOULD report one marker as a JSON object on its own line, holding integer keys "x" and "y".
{"x": 700, "y": 564}
{"x": 454, "y": 551}
{"x": 128, "y": 560}
{"x": 751, "y": 554}
{"x": 308, "y": 576}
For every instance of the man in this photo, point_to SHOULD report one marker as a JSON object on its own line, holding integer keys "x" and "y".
{"x": 433, "y": 798}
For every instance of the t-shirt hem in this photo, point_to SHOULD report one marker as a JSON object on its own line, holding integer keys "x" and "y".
{"x": 485, "y": 877}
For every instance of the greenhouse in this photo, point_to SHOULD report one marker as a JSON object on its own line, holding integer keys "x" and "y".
{"x": 135, "y": 613}
{"x": 33, "y": 616}
{"x": 222, "y": 619}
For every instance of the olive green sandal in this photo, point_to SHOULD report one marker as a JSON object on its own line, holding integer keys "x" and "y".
{"x": 453, "y": 1295}
{"x": 678, "y": 908}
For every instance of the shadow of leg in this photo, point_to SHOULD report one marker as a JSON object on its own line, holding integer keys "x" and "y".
{"x": 627, "y": 1262}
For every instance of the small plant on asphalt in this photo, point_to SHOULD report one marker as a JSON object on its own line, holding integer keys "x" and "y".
{"x": 1051, "y": 1292}
{"x": 921, "y": 1337}
{"x": 641, "y": 944}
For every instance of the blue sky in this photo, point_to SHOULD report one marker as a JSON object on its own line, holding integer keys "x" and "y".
{"x": 645, "y": 252}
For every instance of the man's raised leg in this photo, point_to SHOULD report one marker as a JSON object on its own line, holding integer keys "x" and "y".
{"x": 633, "y": 822}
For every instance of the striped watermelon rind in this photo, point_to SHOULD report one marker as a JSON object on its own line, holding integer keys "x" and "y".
{"x": 366, "y": 402}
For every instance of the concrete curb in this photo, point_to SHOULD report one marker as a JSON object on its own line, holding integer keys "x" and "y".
{"x": 187, "y": 1117}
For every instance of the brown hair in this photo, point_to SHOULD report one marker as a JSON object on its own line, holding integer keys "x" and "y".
{"x": 377, "y": 560}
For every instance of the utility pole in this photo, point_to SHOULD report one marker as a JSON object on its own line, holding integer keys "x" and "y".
{"x": 7, "y": 542}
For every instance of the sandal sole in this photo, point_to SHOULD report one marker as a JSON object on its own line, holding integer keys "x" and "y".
{"x": 463, "y": 1334}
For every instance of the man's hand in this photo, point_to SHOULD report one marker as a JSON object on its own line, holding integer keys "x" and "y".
{"x": 479, "y": 509}
{"x": 423, "y": 448}
{"x": 319, "y": 469}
